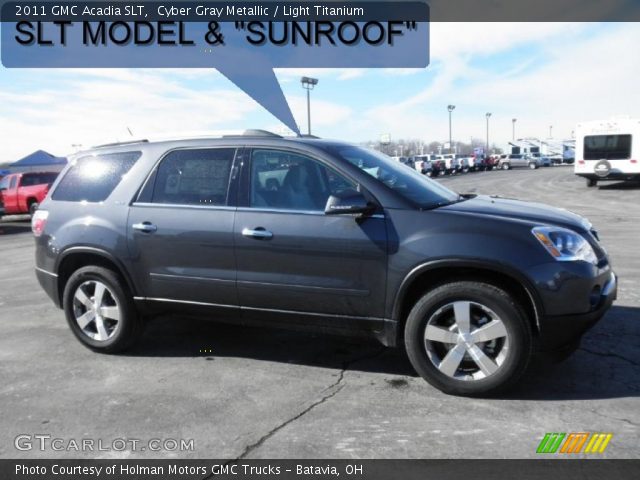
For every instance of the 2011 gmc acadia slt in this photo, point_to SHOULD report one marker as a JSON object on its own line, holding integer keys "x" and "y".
{"x": 309, "y": 233}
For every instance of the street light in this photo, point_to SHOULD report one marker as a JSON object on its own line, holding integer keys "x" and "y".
{"x": 550, "y": 131}
{"x": 488, "y": 114}
{"x": 308, "y": 83}
{"x": 450, "y": 108}
{"x": 513, "y": 121}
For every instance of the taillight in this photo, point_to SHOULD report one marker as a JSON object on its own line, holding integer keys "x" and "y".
{"x": 634, "y": 161}
{"x": 581, "y": 162}
{"x": 39, "y": 221}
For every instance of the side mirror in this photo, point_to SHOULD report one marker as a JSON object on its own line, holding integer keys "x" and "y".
{"x": 348, "y": 202}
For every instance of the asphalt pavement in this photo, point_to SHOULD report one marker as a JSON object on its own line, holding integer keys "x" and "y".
{"x": 259, "y": 393}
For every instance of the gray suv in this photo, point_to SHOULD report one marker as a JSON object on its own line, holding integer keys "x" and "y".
{"x": 306, "y": 233}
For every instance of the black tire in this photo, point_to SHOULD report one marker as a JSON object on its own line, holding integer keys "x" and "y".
{"x": 505, "y": 166}
{"x": 130, "y": 325}
{"x": 520, "y": 343}
{"x": 592, "y": 182}
{"x": 33, "y": 206}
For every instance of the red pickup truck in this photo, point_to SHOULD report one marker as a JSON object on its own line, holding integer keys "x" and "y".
{"x": 22, "y": 192}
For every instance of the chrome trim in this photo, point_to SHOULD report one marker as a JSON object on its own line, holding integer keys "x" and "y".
{"x": 258, "y": 234}
{"x": 303, "y": 212}
{"x": 144, "y": 227}
{"x": 191, "y": 277}
{"x": 254, "y": 309}
{"x": 42, "y": 270}
{"x": 182, "y": 205}
{"x": 309, "y": 288}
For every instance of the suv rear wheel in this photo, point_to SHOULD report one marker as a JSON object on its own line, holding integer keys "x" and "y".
{"x": 468, "y": 338}
{"x": 100, "y": 310}
{"x": 505, "y": 166}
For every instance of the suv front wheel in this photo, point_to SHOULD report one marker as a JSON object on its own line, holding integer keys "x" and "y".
{"x": 100, "y": 310}
{"x": 468, "y": 338}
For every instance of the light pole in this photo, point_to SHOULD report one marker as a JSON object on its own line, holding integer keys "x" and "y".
{"x": 450, "y": 108}
{"x": 513, "y": 121}
{"x": 550, "y": 131}
{"x": 488, "y": 114}
{"x": 308, "y": 83}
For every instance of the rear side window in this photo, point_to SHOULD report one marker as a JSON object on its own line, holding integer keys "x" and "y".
{"x": 194, "y": 177}
{"x": 93, "y": 178}
{"x": 609, "y": 147}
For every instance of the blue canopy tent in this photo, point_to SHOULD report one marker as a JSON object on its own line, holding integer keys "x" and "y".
{"x": 39, "y": 161}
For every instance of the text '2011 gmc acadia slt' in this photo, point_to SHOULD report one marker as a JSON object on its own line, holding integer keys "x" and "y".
{"x": 310, "y": 233}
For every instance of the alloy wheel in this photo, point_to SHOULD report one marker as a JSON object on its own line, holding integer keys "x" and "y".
{"x": 466, "y": 341}
{"x": 96, "y": 310}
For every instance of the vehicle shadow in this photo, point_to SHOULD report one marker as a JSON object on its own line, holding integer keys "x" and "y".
{"x": 607, "y": 365}
{"x": 622, "y": 185}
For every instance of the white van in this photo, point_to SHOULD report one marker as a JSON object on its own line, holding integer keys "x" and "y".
{"x": 607, "y": 150}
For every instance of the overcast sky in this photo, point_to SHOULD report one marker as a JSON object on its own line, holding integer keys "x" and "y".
{"x": 542, "y": 74}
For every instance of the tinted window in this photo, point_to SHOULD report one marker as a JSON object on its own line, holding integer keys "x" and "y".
{"x": 609, "y": 147}
{"x": 410, "y": 184}
{"x": 30, "y": 179}
{"x": 194, "y": 177}
{"x": 93, "y": 178}
{"x": 289, "y": 181}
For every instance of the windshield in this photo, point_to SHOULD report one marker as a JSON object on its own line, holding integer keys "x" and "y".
{"x": 407, "y": 182}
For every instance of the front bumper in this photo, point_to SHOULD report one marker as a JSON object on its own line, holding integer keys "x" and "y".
{"x": 561, "y": 330}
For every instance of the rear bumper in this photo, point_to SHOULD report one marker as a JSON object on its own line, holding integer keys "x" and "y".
{"x": 611, "y": 176}
{"x": 559, "y": 331}
{"x": 49, "y": 283}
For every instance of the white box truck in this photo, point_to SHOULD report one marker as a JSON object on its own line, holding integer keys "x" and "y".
{"x": 608, "y": 150}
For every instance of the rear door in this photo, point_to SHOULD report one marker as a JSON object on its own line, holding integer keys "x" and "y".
{"x": 292, "y": 257}
{"x": 181, "y": 229}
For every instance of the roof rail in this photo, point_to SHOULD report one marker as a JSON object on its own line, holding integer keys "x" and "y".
{"x": 255, "y": 133}
{"x": 116, "y": 144}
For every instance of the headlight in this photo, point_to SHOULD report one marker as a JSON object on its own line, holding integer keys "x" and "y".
{"x": 565, "y": 245}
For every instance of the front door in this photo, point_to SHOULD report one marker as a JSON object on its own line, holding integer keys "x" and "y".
{"x": 293, "y": 257}
{"x": 181, "y": 229}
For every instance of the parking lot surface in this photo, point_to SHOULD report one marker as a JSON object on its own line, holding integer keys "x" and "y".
{"x": 258, "y": 393}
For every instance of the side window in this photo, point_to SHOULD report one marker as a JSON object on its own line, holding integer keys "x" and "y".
{"x": 289, "y": 181}
{"x": 12, "y": 185}
{"x": 194, "y": 177}
{"x": 93, "y": 178}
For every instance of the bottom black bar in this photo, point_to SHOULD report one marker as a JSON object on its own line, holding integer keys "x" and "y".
{"x": 546, "y": 469}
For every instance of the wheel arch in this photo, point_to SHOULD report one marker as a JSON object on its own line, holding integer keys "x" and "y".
{"x": 430, "y": 275}
{"x": 77, "y": 257}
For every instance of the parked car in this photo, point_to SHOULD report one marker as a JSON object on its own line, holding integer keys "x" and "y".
{"x": 477, "y": 163}
{"x": 427, "y": 165}
{"x": 515, "y": 160}
{"x": 545, "y": 161}
{"x": 21, "y": 193}
{"x": 451, "y": 163}
{"x": 408, "y": 161}
{"x": 351, "y": 242}
{"x": 464, "y": 163}
{"x": 492, "y": 161}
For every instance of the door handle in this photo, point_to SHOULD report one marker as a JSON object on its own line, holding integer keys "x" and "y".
{"x": 146, "y": 227}
{"x": 259, "y": 233}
